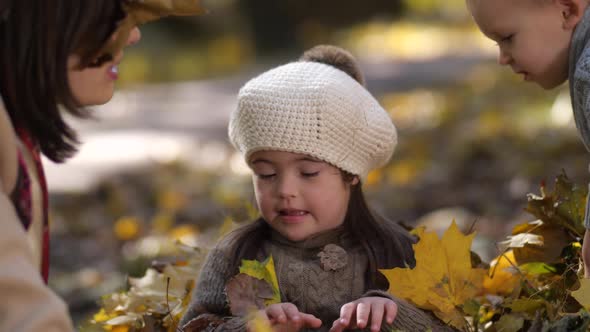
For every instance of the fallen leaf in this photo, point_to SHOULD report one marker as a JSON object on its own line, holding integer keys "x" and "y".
{"x": 554, "y": 239}
{"x": 526, "y": 305}
{"x": 520, "y": 240}
{"x": 502, "y": 278}
{"x": 509, "y": 323}
{"x": 582, "y": 295}
{"x": 564, "y": 207}
{"x": 443, "y": 279}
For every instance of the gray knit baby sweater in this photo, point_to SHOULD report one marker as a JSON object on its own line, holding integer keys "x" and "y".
{"x": 579, "y": 80}
{"x": 304, "y": 282}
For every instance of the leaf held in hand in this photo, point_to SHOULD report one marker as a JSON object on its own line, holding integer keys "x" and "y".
{"x": 264, "y": 271}
{"x": 246, "y": 294}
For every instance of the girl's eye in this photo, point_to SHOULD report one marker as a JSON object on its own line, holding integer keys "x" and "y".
{"x": 310, "y": 175}
{"x": 507, "y": 39}
{"x": 265, "y": 176}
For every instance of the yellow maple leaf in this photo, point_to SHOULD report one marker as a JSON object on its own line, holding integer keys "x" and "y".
{"x": 263, "y": 271}
{"x": 443, "y": 279}
{"x": 503, "y": 278}
{"x": 259, "y": 323}
{"x": 582, "y": 295}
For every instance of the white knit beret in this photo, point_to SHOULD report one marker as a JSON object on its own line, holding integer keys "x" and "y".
{"x": 317, "y": 110}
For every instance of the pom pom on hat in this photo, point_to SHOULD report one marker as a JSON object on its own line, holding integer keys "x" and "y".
{"x": 313, "y": 109}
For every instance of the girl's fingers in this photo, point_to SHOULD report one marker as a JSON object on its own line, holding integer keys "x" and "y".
{"x": 311, "y": 321}
{"x": 292, "y": 312}
{"x": 276, "y": 313}
{"x": 346, "y": 313}
{"x": 377, "y": 310}
{"x": 337, "y": 326}
{"x": 362, "y": 314}
{"x": 390, "y": 311}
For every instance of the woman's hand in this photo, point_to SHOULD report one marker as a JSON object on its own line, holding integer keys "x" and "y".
{"x": 356, "y": 314}
{"x": 287, "y": 317}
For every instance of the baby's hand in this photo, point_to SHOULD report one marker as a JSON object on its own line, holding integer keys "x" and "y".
{"x": 356, "y": 314}
{"x": 286, "y": 317}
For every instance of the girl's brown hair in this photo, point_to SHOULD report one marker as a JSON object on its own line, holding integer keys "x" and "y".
{"x": 36, "y": 39}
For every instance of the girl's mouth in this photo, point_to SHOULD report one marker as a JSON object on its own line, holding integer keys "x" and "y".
{"x": 291, "y": 216}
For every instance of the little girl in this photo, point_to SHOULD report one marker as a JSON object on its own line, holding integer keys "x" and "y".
{"x": 311, "y": 132}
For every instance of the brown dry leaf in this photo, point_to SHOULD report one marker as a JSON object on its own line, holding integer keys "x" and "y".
{"x": 202, "y": 322}
{"x": 554, "y": 238}
{"x": 564, "y": 207}
{"x": 247, "y": 294}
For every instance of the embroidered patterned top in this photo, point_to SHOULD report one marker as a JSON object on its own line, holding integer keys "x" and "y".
{"x": 22, "y": 197}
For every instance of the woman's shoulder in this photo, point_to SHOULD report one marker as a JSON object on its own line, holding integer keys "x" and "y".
{"x": 8, "y": 152}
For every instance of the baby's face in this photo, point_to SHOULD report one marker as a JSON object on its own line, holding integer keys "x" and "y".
{"x": 533, "y": 36}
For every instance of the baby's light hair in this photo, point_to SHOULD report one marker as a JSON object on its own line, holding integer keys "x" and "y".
{"x": 470, "y": 3}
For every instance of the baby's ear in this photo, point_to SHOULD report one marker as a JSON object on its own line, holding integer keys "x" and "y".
{"x": 572, "y": 12}
{"x": 355, "y": 181}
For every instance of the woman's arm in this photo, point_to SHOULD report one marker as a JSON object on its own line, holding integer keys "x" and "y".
{"x": 27, "y": 304}
{"x": 8, "y": 153}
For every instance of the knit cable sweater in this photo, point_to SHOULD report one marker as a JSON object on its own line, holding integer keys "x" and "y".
{"x": 306, "y": 282}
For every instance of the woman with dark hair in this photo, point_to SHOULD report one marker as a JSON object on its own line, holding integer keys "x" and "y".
{"x": 56, "y": 56}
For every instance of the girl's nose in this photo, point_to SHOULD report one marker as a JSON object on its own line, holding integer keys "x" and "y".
{"x": 134, "y": 37}
{"x": 286, "y": 187}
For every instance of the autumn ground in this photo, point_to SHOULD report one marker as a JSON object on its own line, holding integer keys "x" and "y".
{"x": 473, "y": 142}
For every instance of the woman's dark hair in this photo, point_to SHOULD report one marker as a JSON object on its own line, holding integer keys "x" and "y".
{"x": 36, "y": 39}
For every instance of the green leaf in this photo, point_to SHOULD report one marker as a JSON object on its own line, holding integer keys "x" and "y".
{"x": 537, "y": 268}
{"x": 471, "y": 307}
{"x": 526, "y": 305}
{"x": 509, "y": 323}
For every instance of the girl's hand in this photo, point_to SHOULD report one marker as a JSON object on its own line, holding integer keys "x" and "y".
{"x": 286, "y": 317}
{"x": 356, "y": 314}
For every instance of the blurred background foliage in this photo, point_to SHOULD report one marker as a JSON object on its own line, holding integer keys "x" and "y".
{"x": 472, "y": 144}
{"x": 239, "y": 33}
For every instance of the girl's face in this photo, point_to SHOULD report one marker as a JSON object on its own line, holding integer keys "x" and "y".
{"x": 533, "y": 36}
{"x": 299, "y": 196}
{"x": 96, "y": 85}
